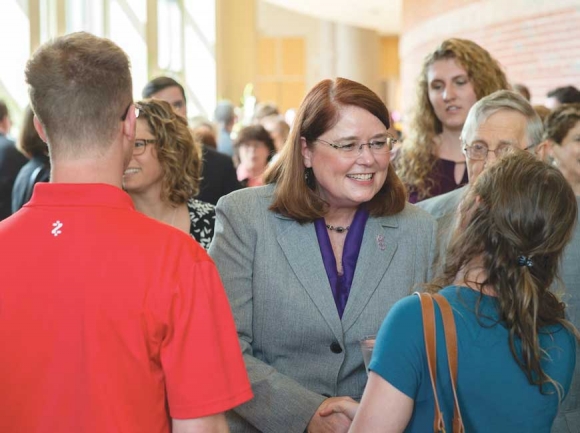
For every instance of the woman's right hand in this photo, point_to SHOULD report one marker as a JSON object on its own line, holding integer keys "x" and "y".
{"x": 334, "y": 415}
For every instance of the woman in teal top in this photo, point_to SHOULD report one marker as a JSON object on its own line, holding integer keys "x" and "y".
{"x": 516, "y": 352}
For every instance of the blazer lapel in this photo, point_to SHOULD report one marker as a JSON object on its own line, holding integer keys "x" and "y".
{"x": 377, "y": 250}
{"x": 300, "y": 246}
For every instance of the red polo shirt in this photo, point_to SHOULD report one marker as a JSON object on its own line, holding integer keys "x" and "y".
{"x": 109, "y": 321}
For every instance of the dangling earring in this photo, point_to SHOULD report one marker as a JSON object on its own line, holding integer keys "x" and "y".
{"x": 309, "y": 177}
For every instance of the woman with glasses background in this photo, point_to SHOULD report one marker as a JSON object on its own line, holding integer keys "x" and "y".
{"x": 313, "y": 260}
{"x": 561, "y": 142}
{"x": 163, "y": 175}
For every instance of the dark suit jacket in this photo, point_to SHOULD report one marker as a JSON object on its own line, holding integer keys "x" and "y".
{"x": 11, "y": 161}
{"x": 218, "y": 176}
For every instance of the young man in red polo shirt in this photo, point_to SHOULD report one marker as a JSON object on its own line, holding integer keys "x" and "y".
{"x": 109, "y": 321}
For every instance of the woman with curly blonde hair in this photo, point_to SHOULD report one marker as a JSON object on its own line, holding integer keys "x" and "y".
{"x": 164, "y": 173}
{"x": 454, "y": 77}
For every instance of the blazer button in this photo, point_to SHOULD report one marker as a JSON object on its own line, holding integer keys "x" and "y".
{"x": 335, "y": 347}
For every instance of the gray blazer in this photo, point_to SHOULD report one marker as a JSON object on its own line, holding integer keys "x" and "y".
{"x": 296, "y": 348}
{"x": 444, "y": 209}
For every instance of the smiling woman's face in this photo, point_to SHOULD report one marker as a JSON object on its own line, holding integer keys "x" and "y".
{"x": 567, "y": 155}
{"x": 144, "y": 171}
{"x": 347, "y": 180}
{"x": 450, "y": 92}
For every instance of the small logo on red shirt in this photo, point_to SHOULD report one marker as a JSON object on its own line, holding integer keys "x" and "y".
{"x": 56, "y": 230}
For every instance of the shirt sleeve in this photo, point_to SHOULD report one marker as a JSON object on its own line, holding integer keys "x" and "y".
{"x": 200, "y": 355}
{"x": 399, "y": 353}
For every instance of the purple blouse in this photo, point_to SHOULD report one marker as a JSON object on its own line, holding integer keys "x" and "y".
{"x": 340, "y": 283}
{"x": 442, "y": 178}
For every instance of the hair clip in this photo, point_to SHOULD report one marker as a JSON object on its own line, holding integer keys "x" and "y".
{"x": 525, "y": 261}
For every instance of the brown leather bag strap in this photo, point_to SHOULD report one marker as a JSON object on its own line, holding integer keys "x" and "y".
{"x": 451, "y": 343}
{"x": 428, "y": 313}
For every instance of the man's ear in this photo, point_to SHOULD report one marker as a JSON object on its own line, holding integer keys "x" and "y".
{"x": 40, "y": 129}
{"x": 306, "y": 153}
{"x": 130, "y": 123}
{"x": 544, "y": 150}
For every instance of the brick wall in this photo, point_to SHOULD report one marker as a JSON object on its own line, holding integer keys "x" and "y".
{"x": 537, "y": 42}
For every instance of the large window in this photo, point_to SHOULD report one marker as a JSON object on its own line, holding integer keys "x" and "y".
{"x": 181, "y": 36}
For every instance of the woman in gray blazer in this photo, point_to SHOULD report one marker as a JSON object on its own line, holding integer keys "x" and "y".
{"x": 313, "y": 261}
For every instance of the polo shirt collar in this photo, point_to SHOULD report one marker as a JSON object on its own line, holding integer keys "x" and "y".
{"x": 79, "y": 194}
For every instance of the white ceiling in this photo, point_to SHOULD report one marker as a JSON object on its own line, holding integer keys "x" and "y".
{"x": 381, "y": 15}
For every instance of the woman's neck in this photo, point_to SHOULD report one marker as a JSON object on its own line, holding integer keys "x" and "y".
{"x": 340, "y": 216}
{"x": 152, "y": 206}
{"x": 449, "y": 145}
{"x": 572, "y": 178}
{"x": 473, "y": 275}
{"x": 255, "y": 172}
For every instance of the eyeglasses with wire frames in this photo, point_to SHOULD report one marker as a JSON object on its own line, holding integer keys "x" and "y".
{"x": 378, "y": 146}
{"x": 478, "y": 151}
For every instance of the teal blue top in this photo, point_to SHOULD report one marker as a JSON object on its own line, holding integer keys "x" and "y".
{"x": 494, "y": 393}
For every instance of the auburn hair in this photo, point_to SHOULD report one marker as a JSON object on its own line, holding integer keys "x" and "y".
{"x": 295, "y": 193}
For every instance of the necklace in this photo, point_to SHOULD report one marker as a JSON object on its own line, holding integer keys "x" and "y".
{"x": 338, "y": 229}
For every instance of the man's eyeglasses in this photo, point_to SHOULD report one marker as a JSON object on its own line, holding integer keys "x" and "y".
{"x": 479, "y": 151}
{"x": 379, "y": 146}
{"x": 140, "y": 145}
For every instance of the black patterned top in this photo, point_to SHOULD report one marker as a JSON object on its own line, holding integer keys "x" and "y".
{"x": 202, "y": 216}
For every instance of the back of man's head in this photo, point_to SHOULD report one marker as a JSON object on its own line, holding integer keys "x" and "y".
{"x": 224, "y": 113}
{"x": 565, "y": 95}
{"x": 80, "y": 88}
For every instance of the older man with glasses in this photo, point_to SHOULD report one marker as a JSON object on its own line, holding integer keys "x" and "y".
{"x": 496, "y": 124}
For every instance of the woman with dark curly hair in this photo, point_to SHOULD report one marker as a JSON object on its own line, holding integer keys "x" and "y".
{"x": 515, "y": 348}
{"x": 454, "y": 77}
{"x": 164, "y": 173}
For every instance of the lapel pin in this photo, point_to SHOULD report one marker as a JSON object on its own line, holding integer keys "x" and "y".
{"x": 381, "y": 242}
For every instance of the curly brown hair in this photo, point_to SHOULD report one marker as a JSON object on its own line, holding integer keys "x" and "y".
{"x": 177, "y": 153}
{"x": 560, "y": 121}
{"x": 520, "y": 206}
{"x": 418, "y": 155}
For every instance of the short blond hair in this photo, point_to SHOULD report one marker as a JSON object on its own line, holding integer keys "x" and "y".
{"x": 80, "y": 87}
